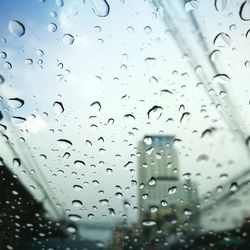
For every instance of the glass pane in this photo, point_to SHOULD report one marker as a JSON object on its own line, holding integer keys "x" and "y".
{"x": 124, "y": 124}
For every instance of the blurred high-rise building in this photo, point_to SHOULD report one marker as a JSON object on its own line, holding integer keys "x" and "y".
{"x": 164, "y": 197}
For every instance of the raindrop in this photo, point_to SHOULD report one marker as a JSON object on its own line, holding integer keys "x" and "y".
{"x": 202, "y": 158}
{"x": 191, "y": 5}
{"x": 234, "y": 186}
{"x": 184, "y": 116}
{"x": 43, "y": 157}
{"x": 59, "y": 3}
{"x": 53, "y": 14}
{"x": 147, "y": 29}
{"x": 214, "y": 55}
{"x": 71, "y": 229}
{"x": 100, "y": 7}
{"x": 79, "y": 164}
{"x": 68, "y": 39}
{"x": 247, "y": 34}
{"x": 247, "y": 64}
{"x": 90, "y": 216}
{"x": 187, "y": 212}
{"x": 187, "y": 176}
{"x": 76, "y": 203}
{"x": 16, "y": 102}
{"x": 18, "y": 119}
{"x": 96, "y": 105}
{"x": 148, "y": 140}
{"x": 1, "y": 79}
{"x": 153, "y": 209}
{"x": 52, "y": 27}
{"x": 245, "y": 11}
{"x": 222, "y": 39}
{"x": 129, "y": 118}
{"x": 172, "y": 190}
{"x": 64, "y": 144}
{"x": 148, "y": 223}
{"x": 152, "y": 181}
{"x": 39, "y": 52}
{"x": 104, "y": 202}
{"x": 119, "y": 195}
{"x": 97, "y": 28}
{"x": 16, "y": 162}
{"x": 155, "y": 112}
{"x": 66, "y": 155}
{"x": 224, "y": 176}
{"x": 150, "y": 61}
{"x": 16, "y": 28}
{"x": 58, "y": 107}
{"x": 3, "y": 55}
{"x": 28, "y": 61}
{"x": 7, "y": 65}
{"x": 74, "y": 217}
{"x": 77, "y": 187}
{"x": 220, "y": 5}
{"x": 221, "y": 78}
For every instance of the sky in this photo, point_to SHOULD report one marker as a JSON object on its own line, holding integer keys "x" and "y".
{"x": 108, "y": 65}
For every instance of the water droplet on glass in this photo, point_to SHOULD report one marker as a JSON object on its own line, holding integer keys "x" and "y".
{"x": 76, "y": 203}
{"x": 64, "y": 144}
{"x": 16, "y": 28}
{"x": 148, "y": 140}
{"x": 68, "y": 39}
{"x": 58, "y": 107}
{"x": 155, "y": 112}
{"x": 18, "y": 119}
{"x": 53, "y": 14}
{"x": 129, "y": 118}
{"x": 1, "y": 79}
{"x": 74, "y": 217}
{"x": 43, "y": 157}
{"x": 202, "y": 158}
{"x": 234, "y": 186}
{"x": 148, "y": 223}
{"x": 96, "y": 105}
{"x": 187, "y": 212}
{"x": 150, "y": 61}
{"x": 3, "y": 55}
{"x": 191, "y": 5}
{"x": 16, "y": 102}
{"x": 28, "y": 61}
{"x": 79, "y": 164}
{"x": 215, "y": 55}
{"x": 248, "y": 34}
{"x": 172, "y": 190}
{"x": 7, "y": 65}
{"x": 100, "y": 7}
{"x": 77, "y": 187}
{"x": 16, "y": 162}
{"x": 220, "y": 5}
{"x": 147, "y": 29}
{"x": 221, "y": 78}
{"x": 52, "y": 27}
{"x": 222, "y": 39}
{"x": 152, "y": 181}
{"x": 245, "y": 11}
{"x": 71, "y": 229}
{"x": 59, "y": 3}
{"x": 185, "y": 116}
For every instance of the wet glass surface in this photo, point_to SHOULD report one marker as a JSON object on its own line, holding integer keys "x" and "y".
{"x": 124, "y": 124}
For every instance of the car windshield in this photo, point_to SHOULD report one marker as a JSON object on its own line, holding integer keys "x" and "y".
{"x": 124, "y": 124}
